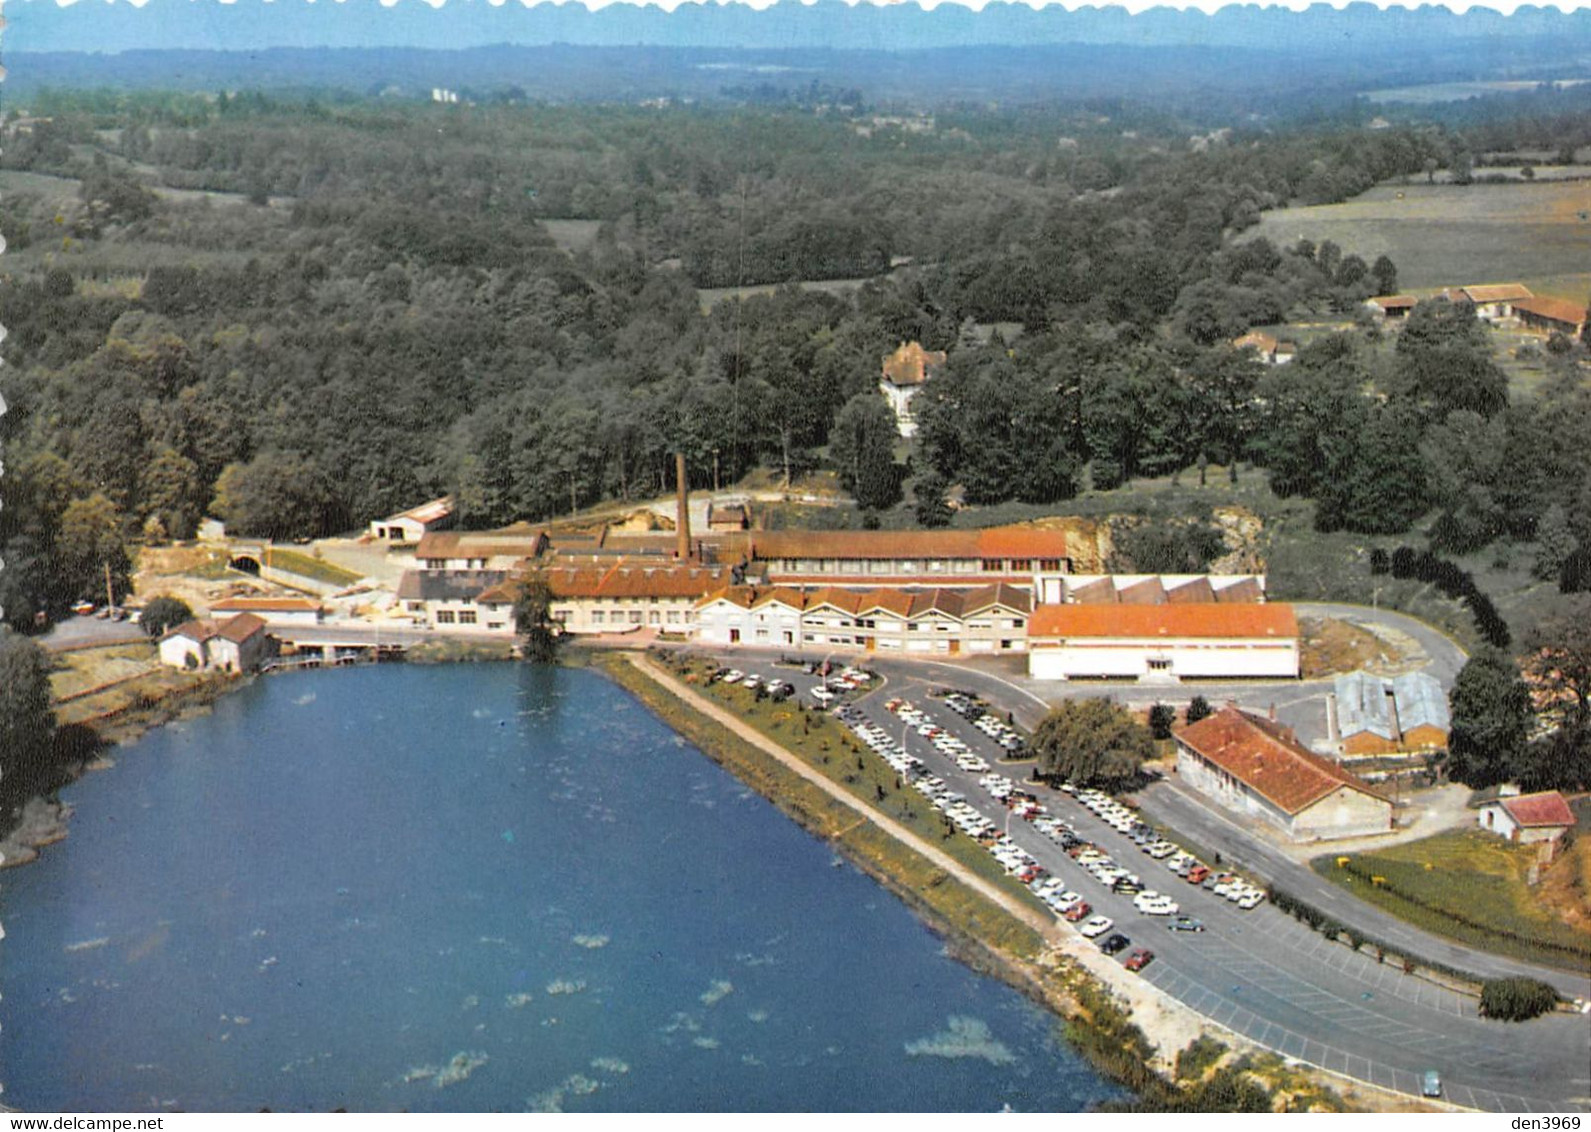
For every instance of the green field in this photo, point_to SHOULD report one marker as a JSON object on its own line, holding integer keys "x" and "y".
{"x": 306, "y": 567}
{"x": 1439, "y": 236}
{"x": 1467, "y": 885}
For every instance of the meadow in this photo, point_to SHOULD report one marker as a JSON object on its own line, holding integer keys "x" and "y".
{"x": 1467, "y": 885}
{"x": 1440, "y": 236}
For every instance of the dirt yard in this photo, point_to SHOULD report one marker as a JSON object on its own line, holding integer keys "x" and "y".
{"x": 197, "y": 575}
{"x": 1330, "y": 646}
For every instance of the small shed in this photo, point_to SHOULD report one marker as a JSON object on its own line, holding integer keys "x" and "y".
{"x": 1528, "y": 818}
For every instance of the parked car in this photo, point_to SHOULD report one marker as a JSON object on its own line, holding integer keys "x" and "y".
{"x": 1139, "y": 958}
{"x": 1431, "y": 1084}
{"x": 83, "y": 608}
{"x": 1114, "y": 943}
{"x": 1185, "y": 924}
{"x": 1096, "y": 926}
{"x": 1079, "y": 911}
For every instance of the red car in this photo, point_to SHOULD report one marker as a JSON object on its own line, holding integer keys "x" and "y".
{"x": 1139, "y": 958}
{"x": 1081, "y": 912}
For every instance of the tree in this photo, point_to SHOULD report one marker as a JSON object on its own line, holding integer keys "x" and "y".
{"x": 163, "y": 613}
{"x": 91, "y": 542}
{"x": 1554, "y": 543}
{"x": 1559, "y": 660}
{"x": 278, "y": 495}
{"x": 1491, "y": 719}
{"x": 1198, "y": 708}
{"x": 538, "y": 632}
{"x": 1385, "y": 273}
{"x": 862, "y": 448}
{"x": 1161, "y": 719}
{"x": 1092, "y": 742}
{"x": 933, "y": 510}
{"x": 1516, "y": 999}
{"x": 27, "y": 722}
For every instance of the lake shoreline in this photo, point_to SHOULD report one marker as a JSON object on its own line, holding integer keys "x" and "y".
{"x": 1129, "y": 1044}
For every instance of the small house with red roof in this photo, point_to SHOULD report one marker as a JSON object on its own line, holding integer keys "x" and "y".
{"x": 905, "y": 372}
{"x": 1528, "y": 818}
{"x": 238, "y": 644}
{"x": 1257, "y": 768}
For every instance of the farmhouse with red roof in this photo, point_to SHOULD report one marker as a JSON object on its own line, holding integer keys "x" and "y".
{"x": 1257, "y": 768}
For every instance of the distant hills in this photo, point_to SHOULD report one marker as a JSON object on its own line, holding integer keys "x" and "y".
{"x": 104, "y": 27}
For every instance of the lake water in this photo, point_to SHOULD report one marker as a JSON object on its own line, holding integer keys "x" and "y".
{"x": 477, "y": 888}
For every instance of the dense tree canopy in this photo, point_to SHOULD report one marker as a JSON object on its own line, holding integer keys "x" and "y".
{"x": 1092, "y": 742}
{"x": 1490, "y": 720}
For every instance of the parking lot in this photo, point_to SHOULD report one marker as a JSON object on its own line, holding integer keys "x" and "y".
{"x": 1251, "y": 969}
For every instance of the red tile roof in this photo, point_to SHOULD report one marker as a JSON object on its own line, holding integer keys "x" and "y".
{"x": 624, "y": 579}
{"x": 910, "y": 364}
{"x": 240, "y": 628}
{"x": 1495, "y": 292}
{"x": 1558, "y": 310}
{"x": 266, "y": 605}
{"x": 1137, "y": 622}
{"x": 1197, "y": 592}
{"x": 991, "y": 543}
{"x": 1150, "y": 591}
{"x": 480, "y": 544}
{"x": 1266, "y": 758}
{"x": 1548, "y": 808}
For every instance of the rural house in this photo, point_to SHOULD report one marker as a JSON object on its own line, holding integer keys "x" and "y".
{"x": 1255, "y": 767}
{"x": 1272, "y": 351}
{"x": 1528, "y": 818}
{"x": 1492, "y": 302}
{"x": 415, "y": 523}
{"x": 238, "y": 644}
{"x": 905, "y": 373}
{"x": 1551, "y": 316}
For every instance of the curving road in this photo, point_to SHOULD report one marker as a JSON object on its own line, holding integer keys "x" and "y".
{"x": 1267, "y": 977}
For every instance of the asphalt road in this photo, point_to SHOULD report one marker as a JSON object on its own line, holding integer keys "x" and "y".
{"x": 1170, "y": 803}
{"x": 1264, "y": 975}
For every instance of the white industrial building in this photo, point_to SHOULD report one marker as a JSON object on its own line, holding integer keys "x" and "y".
{"x": 1163, "y": 642}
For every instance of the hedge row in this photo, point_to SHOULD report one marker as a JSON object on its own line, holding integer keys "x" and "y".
{"x": 1307, "y": 913}
{"x": 1423, "y": 566}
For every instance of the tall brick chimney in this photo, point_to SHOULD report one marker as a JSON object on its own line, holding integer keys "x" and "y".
{"x": 682, "y": 522}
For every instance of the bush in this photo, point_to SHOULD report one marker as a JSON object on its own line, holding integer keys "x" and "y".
{"x": 1516, "y": 999}
{"x": 1203, "y": 1052}
{"x": 1161, "y": 717}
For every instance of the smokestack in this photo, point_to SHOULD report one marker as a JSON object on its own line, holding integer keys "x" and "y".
{"x": 682, "y": 523}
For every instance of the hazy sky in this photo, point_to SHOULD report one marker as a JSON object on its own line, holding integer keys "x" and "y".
{"x": 1130, "y": 5}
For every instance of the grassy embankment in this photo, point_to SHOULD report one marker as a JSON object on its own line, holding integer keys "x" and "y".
{"x": 1469, "y": 886}
{"x": 1096, "y": 1021}
{"x": 307, "y": 567}
{"x": 821, "y": 742}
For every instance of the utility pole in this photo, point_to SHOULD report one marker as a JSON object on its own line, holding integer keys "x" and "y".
{"x": 110, "y": 596}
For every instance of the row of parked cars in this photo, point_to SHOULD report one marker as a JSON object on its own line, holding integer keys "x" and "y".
{"x": 773, "y": 685}
{"x": 991, "y": 725}
{"x": 1182, "y": 863}
{"x": 1022, "y": 803}
{"x": 944, "y": 742}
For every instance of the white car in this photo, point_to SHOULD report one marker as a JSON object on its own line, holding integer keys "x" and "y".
{"x": 1096, "y": 926}
{"x": 1156, "y": 905}
{"x": 1250, "y": 899}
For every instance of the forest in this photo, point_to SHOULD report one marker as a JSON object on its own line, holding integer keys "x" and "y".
{"x": 299, "y": 313}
